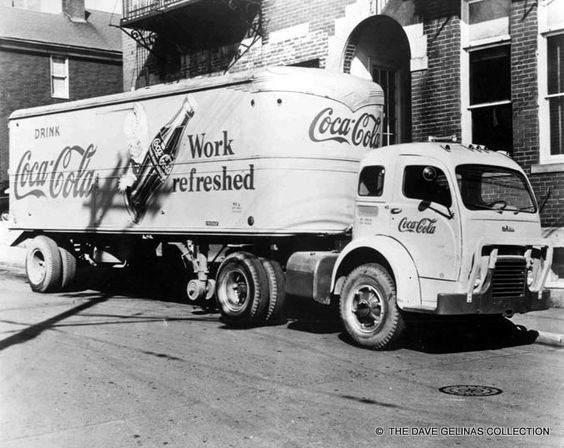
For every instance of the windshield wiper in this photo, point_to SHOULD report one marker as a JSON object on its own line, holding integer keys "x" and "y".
{"x": 522, "y": 209}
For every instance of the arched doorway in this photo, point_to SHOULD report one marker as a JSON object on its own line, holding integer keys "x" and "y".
{"x": 378, "y": 49}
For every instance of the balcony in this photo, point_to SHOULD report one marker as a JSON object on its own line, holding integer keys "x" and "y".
{"x": 192, "y": 24}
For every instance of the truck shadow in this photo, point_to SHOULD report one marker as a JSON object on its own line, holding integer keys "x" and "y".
{"x": 455, "y": 334}
{"x": 425, "y": 333}
{"x": 129, "y": 283}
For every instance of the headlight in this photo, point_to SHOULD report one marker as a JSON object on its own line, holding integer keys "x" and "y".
{"x": 530, "y": 277}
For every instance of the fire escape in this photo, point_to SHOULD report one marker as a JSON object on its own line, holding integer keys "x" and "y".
{"x": 163, "y": 27}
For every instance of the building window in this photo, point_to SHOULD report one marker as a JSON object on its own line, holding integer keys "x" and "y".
{"x": 59, "y": 77}
{"x": 487, "y": 19}
{"x": 490, "y": 97}
{"x": 555, "y": 81}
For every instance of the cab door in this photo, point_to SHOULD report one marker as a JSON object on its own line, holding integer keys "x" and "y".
{"x": 424, "y": 217}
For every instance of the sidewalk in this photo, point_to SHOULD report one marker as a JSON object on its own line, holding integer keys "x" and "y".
{"x": 549, "y": 323}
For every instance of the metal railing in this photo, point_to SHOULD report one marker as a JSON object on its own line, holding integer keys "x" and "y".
{"x": 134, "y": 9}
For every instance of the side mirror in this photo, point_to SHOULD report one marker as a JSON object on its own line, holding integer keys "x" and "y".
{"x": 429, "y": 174}
{"x": 545, "y": 199}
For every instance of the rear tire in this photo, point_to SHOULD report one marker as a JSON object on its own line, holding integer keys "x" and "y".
{"x": 368, "y": 307}
{"x": 242, "y": 289}
{"x": 43, "y": 264}
{"x": 68, "y": 267}
{"x": 276, "y": 289}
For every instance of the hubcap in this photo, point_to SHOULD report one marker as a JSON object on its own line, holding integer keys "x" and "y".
{"x": 36, "y": 267}
{"x": 368, "y": 308}
{"x": 236, "y": 289}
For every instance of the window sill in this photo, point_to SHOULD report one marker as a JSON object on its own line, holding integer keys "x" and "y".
{"x": 488, "y": 42}
{"x": 542, "y": 168}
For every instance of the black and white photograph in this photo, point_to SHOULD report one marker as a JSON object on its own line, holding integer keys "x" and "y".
{"x": 281, "y": 223}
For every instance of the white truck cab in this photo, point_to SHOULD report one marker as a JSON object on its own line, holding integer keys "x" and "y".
{"x": 440, "y": 228}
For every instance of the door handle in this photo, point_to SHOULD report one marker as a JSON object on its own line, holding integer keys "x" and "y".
{"x": 395, "y": 211}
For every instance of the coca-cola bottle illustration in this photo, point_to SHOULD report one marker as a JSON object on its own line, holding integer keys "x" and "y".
{"x": 157, "y": 164}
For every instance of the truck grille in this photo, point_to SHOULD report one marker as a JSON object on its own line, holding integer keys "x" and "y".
{"x": 509, "y": 278}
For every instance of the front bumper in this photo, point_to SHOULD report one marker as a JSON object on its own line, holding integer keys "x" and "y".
{"x": 455, "y": 304}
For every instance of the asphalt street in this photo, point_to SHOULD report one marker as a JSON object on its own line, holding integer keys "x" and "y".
{"x": 131, "y": 365}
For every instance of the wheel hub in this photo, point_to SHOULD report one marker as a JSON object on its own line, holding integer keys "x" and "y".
{"x": 367, "y": 307}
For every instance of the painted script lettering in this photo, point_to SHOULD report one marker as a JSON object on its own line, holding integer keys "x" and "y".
{"x": 66, "y": 175}
{"x": 363, "y": 131}
{"x": 425, "y": 225}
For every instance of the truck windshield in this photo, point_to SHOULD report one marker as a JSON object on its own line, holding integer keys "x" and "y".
{"x": 485, "y": 187}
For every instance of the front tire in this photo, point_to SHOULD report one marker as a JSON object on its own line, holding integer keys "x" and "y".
{"x": 242, "y": 289}
{"x": 43, "y": 264}
{"x": 368, "y": 307}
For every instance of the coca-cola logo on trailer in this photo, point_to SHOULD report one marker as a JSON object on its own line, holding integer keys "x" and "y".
{"x": 64, "y": 176}
{"x": 363, "y": 131}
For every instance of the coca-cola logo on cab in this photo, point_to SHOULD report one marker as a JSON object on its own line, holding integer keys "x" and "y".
{"x": 66, "y": 175}
{"x": 363, "y": 131}
{"x": 424, "y": 225}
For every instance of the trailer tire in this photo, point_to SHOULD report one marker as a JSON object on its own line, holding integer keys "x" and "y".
{"x": 276, "y": 289}
{"x": 242, "y": 289}
{"x": 368, "y": 307}
{"x": 43, "y": 264}
{"x": 68, "y": 267}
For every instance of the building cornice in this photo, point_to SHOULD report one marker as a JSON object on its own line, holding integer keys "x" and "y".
{"x": 14, "y": 44}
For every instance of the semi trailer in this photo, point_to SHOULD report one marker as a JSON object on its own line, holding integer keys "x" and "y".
{"x": 275, "y": 183}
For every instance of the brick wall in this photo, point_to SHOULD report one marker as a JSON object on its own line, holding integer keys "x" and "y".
{"x": 25, "y": 81}
{"x": 524, "y": 97}
{"x": 436, "y": 91}
{"x": 318, "y": 17}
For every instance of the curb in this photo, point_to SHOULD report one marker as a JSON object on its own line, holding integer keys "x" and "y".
{"x": 551, "y": 339}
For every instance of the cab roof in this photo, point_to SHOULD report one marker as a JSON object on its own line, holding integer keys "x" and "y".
{"x": 451, "y": 154}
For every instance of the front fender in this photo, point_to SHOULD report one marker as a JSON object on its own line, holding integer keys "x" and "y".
{"x": 378, "y": 249}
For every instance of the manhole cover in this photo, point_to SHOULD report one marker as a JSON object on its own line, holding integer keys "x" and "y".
{"x": 466, "y": 390}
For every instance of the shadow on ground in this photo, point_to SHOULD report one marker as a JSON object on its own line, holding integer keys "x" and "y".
{"x": 425, "y": 333}
{"x": 431, "y": 334}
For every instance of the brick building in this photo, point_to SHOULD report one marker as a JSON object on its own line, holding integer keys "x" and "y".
{"x": 486, "y": 71}
{"x": 53, "y": 51}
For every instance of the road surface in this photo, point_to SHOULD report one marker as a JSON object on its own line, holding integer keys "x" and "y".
{"x": 132, "y": 366}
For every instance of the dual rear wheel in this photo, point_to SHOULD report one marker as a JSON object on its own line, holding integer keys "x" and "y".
{"x": 249, "y": 289}
{"x": 49, "y": 267}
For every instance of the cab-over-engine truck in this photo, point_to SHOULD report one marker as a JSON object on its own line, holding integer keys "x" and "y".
{"x": 275, "y": 183}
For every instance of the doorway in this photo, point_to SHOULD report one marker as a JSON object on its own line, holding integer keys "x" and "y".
{"x": 378, "y": 49}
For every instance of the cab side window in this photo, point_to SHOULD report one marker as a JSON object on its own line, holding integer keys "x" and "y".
{"x": 371, "y": 181}
{"x": 427, "y": 183}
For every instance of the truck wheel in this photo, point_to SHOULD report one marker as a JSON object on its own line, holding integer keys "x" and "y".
{"x": 68, "y": 267}
{"x": 276, "y": 289}
{"x": 242, "y": 288}
{"x": 43, "y": 264}
{"x": 368, "y": 307}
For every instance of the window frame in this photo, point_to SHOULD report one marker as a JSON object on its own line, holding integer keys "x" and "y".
{"x": 468, "y": 46}
{"x": 55, "y": 76}
{"x": 502, "y": 169}
{"x": 383, "y": 187}
{"x": 429, "y": 199}
{"x": 548, "y": 162}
